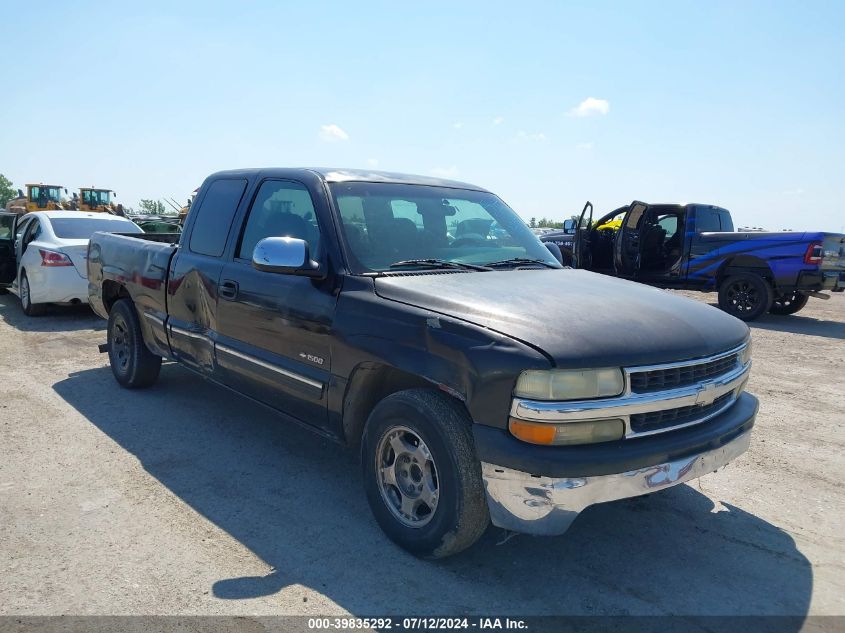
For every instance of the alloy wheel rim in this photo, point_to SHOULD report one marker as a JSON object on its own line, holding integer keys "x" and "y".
{"x": 743, "y": 296}
{"x": 407, "y": 476}
{"x": 786, "y": 300}
{"x": 120, "y": 343}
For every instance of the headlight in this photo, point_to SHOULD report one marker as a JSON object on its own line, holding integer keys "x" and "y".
{"x": 567, "y": 433}
{"x": 569, "y": 384}
{"x": 745, "y": 354}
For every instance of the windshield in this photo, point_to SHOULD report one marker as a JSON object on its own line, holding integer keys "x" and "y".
{"x": 42, "y": 193}
{"x": 96, "y": 197}
{"x": 83, "y": 228}
{"x": 386, "y": 223}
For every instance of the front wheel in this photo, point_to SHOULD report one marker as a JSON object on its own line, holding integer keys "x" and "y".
{"x": 29, "y": 308}
{"x": 746, "y": 296}
{"x": 421, "y": 474}
{"x": 132, "y": 364}
{"x": 789, "y": 302}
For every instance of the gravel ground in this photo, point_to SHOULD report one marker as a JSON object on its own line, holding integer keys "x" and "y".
{"x": 183, "y": 499}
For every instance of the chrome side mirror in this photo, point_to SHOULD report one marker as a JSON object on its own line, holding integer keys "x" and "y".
{"x": 285, "y": 255}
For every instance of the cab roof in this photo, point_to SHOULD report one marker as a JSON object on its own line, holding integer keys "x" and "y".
{"x": 339, "y": 174}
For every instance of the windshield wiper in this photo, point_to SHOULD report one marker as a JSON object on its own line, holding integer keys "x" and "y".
{"x": 519, "y": 261}
{"x": 437, "y": 263}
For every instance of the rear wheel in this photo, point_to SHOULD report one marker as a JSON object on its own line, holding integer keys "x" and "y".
{"x": 132, "y": 364}
{"x": 421, "y": 474}
{"x": 746, "y": 296}
{"x": 789, "y": 302}
{"x": 29, "y": 308}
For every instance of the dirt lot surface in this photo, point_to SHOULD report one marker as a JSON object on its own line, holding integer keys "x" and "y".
{"x": 183, "y": 499}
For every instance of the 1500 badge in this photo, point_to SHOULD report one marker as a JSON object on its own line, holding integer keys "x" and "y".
{"x": 311, "y": 358}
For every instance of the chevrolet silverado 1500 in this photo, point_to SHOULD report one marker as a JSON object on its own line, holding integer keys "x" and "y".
{"x": 416, "y": 319}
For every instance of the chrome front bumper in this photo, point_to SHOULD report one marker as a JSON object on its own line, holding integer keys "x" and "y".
{"x": 521, "y": 502}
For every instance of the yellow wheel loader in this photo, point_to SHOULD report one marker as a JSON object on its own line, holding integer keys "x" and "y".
{"x": 38, "y": 197}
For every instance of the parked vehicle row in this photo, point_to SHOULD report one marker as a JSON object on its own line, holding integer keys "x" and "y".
{"x": 417, "y": 320}
{"x": 695, "y": 247}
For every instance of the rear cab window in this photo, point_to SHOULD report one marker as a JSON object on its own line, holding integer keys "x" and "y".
{"x": 214, "y": 216}
{"x": 707, "y": 221}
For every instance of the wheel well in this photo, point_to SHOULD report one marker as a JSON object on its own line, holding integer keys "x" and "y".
{"x": 370, "y": 384}
{"x": 744, "y": 264}
{"x": 112, "y": 291}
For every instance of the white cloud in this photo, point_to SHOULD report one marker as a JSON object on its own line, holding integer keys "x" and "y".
{"x": 331, "y": 133}
{"x": 372, "y": 162}
{"x": 458, "y": 125}
{"x": 585, "y": 146}
{"x": 793, "y": 192}
{"x": 590, "y": 106}
{"x": 445, "y": 172}
{"x": 498, "y": 120}
{"x": 536, "y": 137}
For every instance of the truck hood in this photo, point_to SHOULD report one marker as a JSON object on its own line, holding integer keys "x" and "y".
{"x": 577, "y": 318}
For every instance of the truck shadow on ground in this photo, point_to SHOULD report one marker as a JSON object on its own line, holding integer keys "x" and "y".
{"x": 296, "y": 501}
{"x": 797, "y": 324}
{"x": 56, "y": 319}
{"x": 801, "y": 325}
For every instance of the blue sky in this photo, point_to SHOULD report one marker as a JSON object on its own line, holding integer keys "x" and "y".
{"x": 733, "y": 103}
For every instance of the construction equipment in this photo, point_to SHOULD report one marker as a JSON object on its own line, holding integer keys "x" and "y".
{"x": 99, "y": 200}
{"x": 38, "y": 197}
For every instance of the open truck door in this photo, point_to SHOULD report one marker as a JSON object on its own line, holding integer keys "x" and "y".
{"x": 581, "y": 241}
{"x": 627, "y": 247}
{"x": 8, "y": 224}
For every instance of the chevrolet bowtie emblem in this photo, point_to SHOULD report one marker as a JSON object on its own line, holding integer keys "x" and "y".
{"x": 706, "y": 394}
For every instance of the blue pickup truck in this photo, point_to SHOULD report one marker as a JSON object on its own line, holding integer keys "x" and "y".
{"x": 695, "y": 247}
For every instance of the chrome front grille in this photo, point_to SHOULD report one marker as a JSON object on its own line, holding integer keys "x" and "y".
{"x": 657, "y": 398}
{"x": 649, "y": 381}
{"x": 671, "y": 418}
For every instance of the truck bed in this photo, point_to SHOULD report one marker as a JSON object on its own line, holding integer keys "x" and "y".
{"x": 139, "y": 263}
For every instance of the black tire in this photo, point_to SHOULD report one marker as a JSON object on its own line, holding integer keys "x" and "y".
{"x": 789, "y": 302}
{"x": 746, "y": 296}
{"x": 29, "y": 308}
{"x": 460, "y": 515}
{"x": 132, "y": 364}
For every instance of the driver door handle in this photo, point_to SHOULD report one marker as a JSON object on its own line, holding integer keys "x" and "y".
{"x": 228, "y": 290}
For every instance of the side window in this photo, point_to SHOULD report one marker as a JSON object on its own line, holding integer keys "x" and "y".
{"x": 282, "y": 208}
{"x": 22, "y": 226}
{"x": 726, "y": 222}
{"x": 33, "y": 231}
{"x": 214, "y": 216}
{"x": 707, "y": 221}
{"x": 6, "y": 222}
{"x": 612, "y": 223}
{"x": 669, "y": 223}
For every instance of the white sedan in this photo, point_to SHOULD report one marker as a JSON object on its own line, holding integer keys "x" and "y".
{"x": 43, "y": 255}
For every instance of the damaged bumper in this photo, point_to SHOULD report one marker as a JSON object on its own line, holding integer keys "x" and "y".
{"x": 547, "y": 506}
{"x": 541, "y": 490}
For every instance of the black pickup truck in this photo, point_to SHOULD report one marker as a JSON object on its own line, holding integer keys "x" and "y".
{"x": 695, "y": 247}
{"x": 417, "y": 319}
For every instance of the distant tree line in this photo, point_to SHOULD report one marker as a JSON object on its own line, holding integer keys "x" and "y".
{"x": 545, "y": 223}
